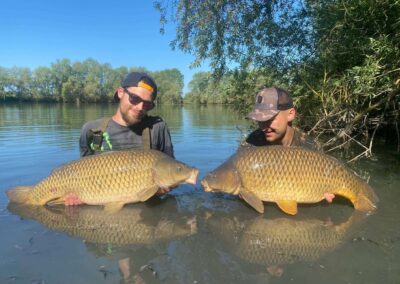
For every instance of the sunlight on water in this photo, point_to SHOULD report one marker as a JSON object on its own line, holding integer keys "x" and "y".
{"x": 189, "y": 236}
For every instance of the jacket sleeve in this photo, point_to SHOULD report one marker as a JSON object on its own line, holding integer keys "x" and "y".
{"x": 167, "y": 146}
{"x": 161, "y": 138}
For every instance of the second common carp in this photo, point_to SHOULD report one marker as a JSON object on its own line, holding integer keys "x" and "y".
{"x": 288, "y": 176}
{"x": 111, "y": 179}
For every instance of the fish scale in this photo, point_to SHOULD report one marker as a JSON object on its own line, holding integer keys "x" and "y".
{"x": 113, "y": 177}
{"x": 292, "y": 177}
{"x": 94, "y": 174}
{"x": 287, "y": 176}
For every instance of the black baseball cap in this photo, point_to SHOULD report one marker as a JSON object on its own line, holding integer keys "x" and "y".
{"x": 138, "y": 79}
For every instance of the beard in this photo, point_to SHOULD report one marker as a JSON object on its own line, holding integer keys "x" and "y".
{"x": 273, "y": 136}
{"x": 131, "y": 120}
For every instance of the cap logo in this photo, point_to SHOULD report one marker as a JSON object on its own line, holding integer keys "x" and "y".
{"x": 259, "y": 99}
{"x": 146, "y": 86}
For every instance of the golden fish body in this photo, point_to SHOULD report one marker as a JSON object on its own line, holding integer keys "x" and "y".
{"x": 282, "y": 241}
{"x": 115, "y": 178}
{"x": 128, "y": 226}
{"x": 287, "y": 176}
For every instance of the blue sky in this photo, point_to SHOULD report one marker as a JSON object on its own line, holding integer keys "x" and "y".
{"x": 119, "y": 32}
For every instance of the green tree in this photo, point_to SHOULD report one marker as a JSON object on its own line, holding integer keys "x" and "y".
{"x": 170, "y": 86}
{"x": 43, "y": 84}
{"x": 61, "y": 71}
{"x": 73, "y": 90}
{"x": 92, "y": 77}
{"x": 243, "y": 32}
{"x": 21, "y": 83}
{"x": 340, "y": 59}
{"x": 114, "y": 78}
{"x": 4, "y": 82}
{"x": 198, "y": 87}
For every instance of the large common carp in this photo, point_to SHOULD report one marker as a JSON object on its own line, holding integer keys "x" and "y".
{"x": 288, "y": 176}
{"x": 111, "y": 179}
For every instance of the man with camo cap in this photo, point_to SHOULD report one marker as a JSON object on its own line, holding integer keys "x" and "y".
{"x": 274, "y": 112}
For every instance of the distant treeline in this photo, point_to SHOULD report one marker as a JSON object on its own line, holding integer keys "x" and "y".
{"x": 87, "y": 81}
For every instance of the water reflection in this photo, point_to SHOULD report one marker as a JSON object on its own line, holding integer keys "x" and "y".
{"x": 140, "y": 238}
{"x": 216, "y": 117}
{"x": 132, "y": 236}
{"x": 132, "y": 225}
{"x": 69, "y": 116}
{"x": 274, "y": 243}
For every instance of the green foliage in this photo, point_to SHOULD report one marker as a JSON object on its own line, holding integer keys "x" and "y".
{"x": 199, "y": 87}
{"x": 345, "y": 30}
{"x": 339, "y": 59}
{"x": 252, "y": 33}
{"x": 87, "y": 81}
{"x": 43, "y": 84}
{"x": 170, "y": 86}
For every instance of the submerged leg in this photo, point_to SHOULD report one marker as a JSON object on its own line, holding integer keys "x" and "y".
{"x": 124, "y": 268}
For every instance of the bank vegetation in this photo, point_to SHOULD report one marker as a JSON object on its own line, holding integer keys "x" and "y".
{"x": 80, "y": 82}
{"x": 340, "y": 59}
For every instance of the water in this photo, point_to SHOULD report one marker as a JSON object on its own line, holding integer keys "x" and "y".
{"x": 189, "y": 236}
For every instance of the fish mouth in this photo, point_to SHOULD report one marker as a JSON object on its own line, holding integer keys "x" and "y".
{"x": 205, "y": 185}
{"x": 193, "y": 177}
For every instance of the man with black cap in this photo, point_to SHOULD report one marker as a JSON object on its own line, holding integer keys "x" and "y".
{"x": 274, "y": 113}
{"x": 130, "y": 126}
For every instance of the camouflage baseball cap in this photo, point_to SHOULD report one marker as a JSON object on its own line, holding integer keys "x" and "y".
{"x": 269, "y": 101}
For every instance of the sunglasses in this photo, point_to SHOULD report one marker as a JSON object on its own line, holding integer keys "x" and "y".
{"x": 135, "y": 100}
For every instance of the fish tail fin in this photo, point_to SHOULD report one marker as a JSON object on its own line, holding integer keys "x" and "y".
{"x": 366, "y": 200}
{"x": 19, "y": 194}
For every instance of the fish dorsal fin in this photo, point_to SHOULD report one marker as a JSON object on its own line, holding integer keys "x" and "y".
{"x": 288, "y": 206}
{"x": 147, "y": 193}
{"x": 113, "y": 207}
{"x": 252, "y": 200}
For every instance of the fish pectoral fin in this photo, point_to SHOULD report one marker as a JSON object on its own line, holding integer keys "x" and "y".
{"x": 147, "y": 193}
{"x": 113, "y": 206}
{"x": 56, "y": 202}
{"x": 252, "y": 200}
{"x": 288, "y": 206}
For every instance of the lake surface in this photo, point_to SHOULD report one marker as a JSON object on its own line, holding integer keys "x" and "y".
{"x": 188, "y": 236}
